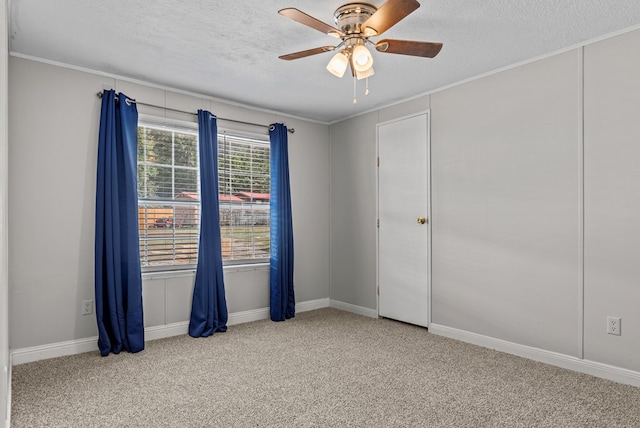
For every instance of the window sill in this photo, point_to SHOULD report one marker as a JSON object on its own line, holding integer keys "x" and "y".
{"x": 167, "y": 274}
{"x": 186, "y": 272}
{"x": 247, "y": 267}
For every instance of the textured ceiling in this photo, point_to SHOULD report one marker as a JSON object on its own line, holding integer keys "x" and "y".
{"x": 229, "y": 49}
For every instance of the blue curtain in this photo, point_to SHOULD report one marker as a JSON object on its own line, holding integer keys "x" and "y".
{"x": 209, "y": 305}
{"x": 118, "y": 281}
{"x": 282, "y": 299}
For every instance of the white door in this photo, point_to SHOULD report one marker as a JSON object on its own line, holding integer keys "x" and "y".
{"x": 403, "y": 231}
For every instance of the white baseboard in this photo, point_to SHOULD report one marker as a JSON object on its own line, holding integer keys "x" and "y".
{"x": 593, "y": 368}
{"x": 53, "y": 350}
{"x": 360, "y": 310}
{"x": 312, "y": 305}
{"x": 264, "y": 313}
{"x": 90, "y": 344}
{"x": 605, "y": 371}
{"x": 248, "y": 316}
{"x": 162, "y": 331}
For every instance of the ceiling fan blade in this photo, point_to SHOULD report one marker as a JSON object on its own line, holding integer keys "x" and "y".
{"x": 387, "y": 15}
{"x": 308, "y": 52}
{"x": 409, "y": 47}
{"x": 310, "y": 21}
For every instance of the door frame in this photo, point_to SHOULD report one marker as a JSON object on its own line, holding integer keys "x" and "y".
{"x": 429, "y": 223}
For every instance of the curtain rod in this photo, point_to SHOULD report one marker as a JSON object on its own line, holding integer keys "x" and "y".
{"x": 270, "y": 127}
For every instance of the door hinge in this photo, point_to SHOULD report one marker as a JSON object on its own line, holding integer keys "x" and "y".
{"x": 378, "y": 161}
{"x": 378, "y": 290}
{"x": 378, "y": 223}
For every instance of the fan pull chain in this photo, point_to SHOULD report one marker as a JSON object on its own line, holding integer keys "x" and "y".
{"x": 366, "y": 91}
{"x": 355, "y": 101}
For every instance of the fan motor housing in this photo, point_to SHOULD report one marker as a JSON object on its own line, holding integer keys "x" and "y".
{"x": 350, "y": 17}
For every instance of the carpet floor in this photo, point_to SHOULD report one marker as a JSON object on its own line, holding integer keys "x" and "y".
{"x": 323, "y": 368}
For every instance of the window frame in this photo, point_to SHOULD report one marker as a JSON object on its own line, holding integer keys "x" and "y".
{"x": 191, "y": 127}
{"x": 186, "y": 127}
{"x": 261, "y": 139}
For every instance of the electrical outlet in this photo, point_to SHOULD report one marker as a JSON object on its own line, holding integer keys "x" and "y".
{"x": 613, "y": 325}
{"x": 87, "y": 307}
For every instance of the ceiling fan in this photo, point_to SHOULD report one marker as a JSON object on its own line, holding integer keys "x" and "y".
{"x": 356, "y": 23}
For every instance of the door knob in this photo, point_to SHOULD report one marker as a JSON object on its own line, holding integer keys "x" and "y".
{"x": 422, "y": 220}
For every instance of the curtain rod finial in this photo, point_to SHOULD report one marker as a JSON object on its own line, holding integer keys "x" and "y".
{"x": 272, "y": 127}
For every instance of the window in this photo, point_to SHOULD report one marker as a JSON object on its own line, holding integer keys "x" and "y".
{"x": 169, "y": 197}
{"x": 244, "y": 185}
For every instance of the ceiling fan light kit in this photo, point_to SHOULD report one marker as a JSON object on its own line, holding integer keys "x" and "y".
{"x": 365, "y": 74}
{"x": 362, "y": 59}
{"x": 338, "y": 64}
{"x": 356, "y": 23}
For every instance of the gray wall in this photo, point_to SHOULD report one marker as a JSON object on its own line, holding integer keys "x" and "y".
{"x": 612, "y": 199}
{"x": 353, "y": 214}
{"x": 534, "y": 209}
{"x": 506, "y": 210}
{"x": 4, "y": 284}
{"x": 53, "y": 117}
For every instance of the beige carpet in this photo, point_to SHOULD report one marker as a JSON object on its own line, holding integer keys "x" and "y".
{"x": 325, "y": 368}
